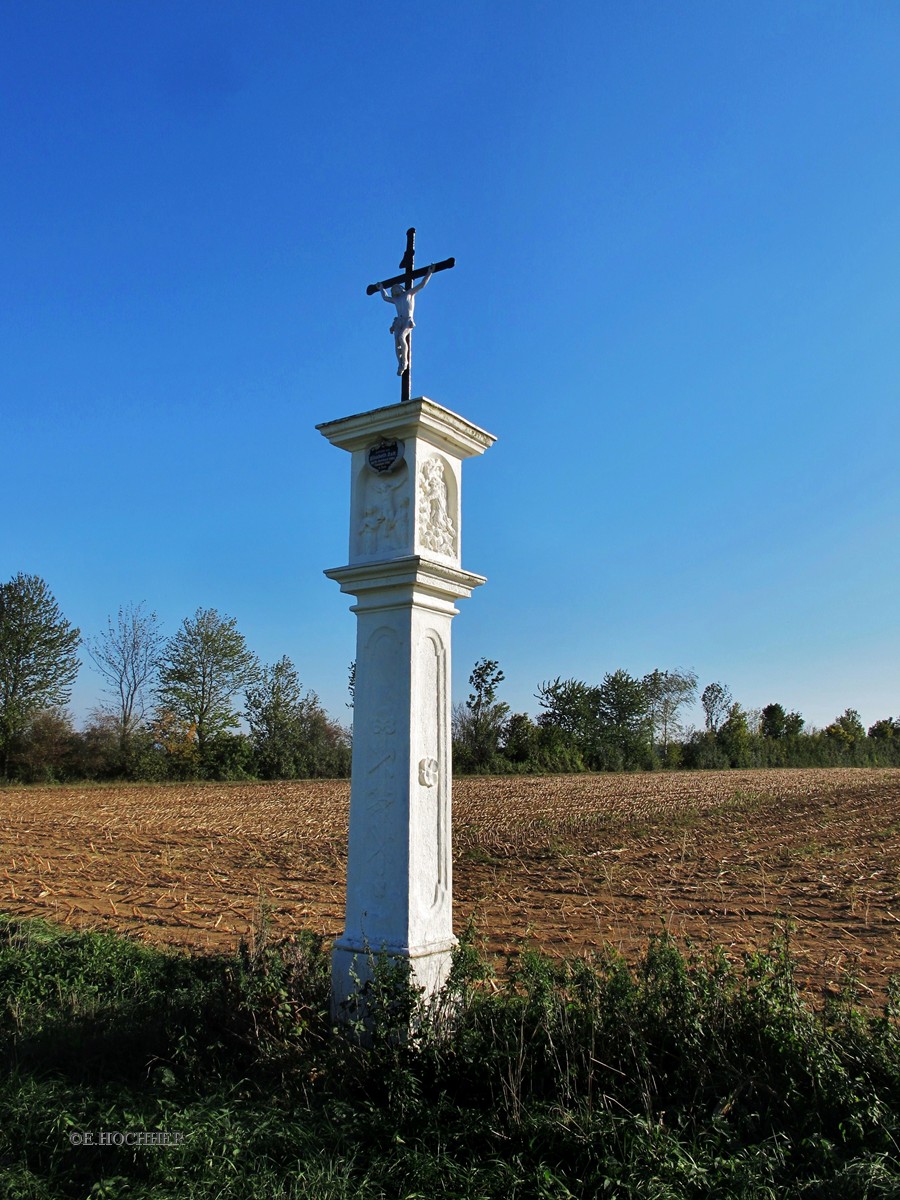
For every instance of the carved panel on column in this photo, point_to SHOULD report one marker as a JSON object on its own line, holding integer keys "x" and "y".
{"x": 437, "y": 524}
{"x": 433, "y": 771}
{"x": 383, "y": 527}
{"x": 376, "y": 785}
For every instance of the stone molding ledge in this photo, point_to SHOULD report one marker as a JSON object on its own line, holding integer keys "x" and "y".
{"x": 421, "y": 418}
{"x": 401, "y": 580}
{"x": 352, "y": 945}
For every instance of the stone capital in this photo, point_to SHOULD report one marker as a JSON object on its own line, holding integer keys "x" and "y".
{"x": 405, "y": 487}
{"x": 420, "y": 418}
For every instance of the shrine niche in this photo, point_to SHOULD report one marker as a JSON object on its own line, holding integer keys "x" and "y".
{"x": 437, "y": 517}
{"x": 383, "y": 524}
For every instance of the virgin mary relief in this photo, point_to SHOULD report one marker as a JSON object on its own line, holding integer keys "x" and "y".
{"x": 437, "y": 531}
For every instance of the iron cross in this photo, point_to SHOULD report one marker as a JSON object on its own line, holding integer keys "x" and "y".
{"x": 399, "y": 328}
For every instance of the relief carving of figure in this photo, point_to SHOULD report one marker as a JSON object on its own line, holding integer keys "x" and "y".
{"x": 385, "y": 520}
{"x": 437, "y": 530}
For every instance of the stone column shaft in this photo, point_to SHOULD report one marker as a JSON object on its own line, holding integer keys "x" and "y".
{"x": 404, "y": 571}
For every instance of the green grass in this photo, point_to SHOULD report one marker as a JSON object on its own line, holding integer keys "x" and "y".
{"x": 683, "y": 1077}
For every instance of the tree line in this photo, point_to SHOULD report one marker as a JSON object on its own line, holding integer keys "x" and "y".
{"x": 626, "y": 723}
{"x": 171, "y": 711}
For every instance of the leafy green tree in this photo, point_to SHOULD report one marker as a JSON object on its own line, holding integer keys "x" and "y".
{"x": 291, "y": 734}
{"x": 716, "y": 701}
{"x": 885, "y": 730}
{"x": 734, "y": 736}
{"x": 847, "y": 730}
{"x": 174, "y": 737}
{"x": 606, "y": 727}
{"x": 667, "y": 692}
{"x": 48, "y": 749}
{"x": 703, "y": 752}
{"x": 324, "y": 743}
{"x": 793, "y": 724}
{"x": 228, "y": 756}
{"x": 624, "y": 720}
{"x": 204, "y": 666}
{"x": 570, "y": 725}
{"x": 520, "y": 739}
{"x": 773, "y": 722}
{"x": 38, "y": 659}
{"x": 478, "y": 725}
{"x": 272, "y": 709}
{"x": 570, "y": 706}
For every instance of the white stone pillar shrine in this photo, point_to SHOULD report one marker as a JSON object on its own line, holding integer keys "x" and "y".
{"x": 404, "y": 570}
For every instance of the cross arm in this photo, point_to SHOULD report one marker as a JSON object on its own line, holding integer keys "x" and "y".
{"x": 386, "y": 283}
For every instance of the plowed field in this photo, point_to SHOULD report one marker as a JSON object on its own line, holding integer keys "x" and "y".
{"x": 567, "y": 864}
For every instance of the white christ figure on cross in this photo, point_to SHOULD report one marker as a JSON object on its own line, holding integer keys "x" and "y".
{"x": 403, "y": 300}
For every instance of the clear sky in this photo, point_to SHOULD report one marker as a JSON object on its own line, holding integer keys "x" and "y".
{"x": 676, "y": 303}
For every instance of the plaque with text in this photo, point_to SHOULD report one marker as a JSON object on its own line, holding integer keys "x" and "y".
{"x": 386, "y": 456}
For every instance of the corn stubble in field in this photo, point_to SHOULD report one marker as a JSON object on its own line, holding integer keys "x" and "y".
{"x": 566, "y": 863}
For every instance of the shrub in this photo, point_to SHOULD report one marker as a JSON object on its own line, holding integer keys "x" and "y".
{"x": 683, "y": 1076}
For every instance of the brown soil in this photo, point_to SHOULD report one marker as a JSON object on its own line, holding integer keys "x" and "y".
{"x": 568, "y": 864}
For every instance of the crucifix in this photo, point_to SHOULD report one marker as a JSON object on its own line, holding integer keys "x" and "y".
{"x": 403, "y": 298}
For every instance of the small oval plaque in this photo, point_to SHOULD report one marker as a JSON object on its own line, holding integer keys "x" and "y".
{"x": 386, "y": 456}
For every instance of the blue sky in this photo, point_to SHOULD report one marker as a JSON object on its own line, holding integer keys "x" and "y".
{"x": 676, "y": 304}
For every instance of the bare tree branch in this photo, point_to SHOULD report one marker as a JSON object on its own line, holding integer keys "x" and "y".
{"x": 127, "y": 656}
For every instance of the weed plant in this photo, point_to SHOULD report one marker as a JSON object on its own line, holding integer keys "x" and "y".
{"x": 681, "y": 1077}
